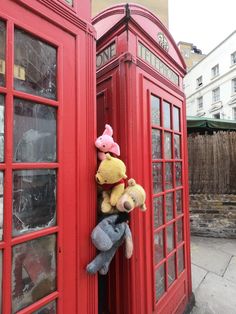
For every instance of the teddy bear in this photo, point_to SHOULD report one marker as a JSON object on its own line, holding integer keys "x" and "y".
{"x": 106, "y": 144}
{"x": 113, "y": 230}
{"x": 110, "y": 176}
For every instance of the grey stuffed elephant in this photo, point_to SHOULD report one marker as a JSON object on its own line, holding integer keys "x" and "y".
{"x": 107, "y": 236}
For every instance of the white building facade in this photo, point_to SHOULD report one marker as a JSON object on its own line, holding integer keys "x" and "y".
{"x": 210, "y": 86}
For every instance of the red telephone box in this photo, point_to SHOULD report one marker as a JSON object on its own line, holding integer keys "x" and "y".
{"x": 139, "y": 92}
{"x": 47, "y": 154}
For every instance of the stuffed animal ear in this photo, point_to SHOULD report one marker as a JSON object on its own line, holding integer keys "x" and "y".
{"x": 115, "y": 149}
{"x": 131, "y": 182}
{"x": 108, "y": 130}
{"x": 143, "y": 207}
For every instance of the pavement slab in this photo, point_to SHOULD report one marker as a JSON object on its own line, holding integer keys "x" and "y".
{"x": 198, "y": 274}
{"x": 227, "y": 246}
{"x": 230, "y": 273}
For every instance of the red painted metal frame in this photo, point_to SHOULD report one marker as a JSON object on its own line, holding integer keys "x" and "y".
{"x": 129, "y": 81}
{"x": 69, "y": 30}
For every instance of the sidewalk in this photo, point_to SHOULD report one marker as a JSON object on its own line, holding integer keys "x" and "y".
{"x": 214, "y": 275}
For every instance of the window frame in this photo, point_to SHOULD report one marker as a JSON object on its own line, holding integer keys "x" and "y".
{"x": 233, "y": 86}
{"x": 200, "y": 102}
{"x": 215, "y": 71}
{"x": 216, "y": 95}
{"x": 199, "y": 81}
{"x": 233, "y": 58}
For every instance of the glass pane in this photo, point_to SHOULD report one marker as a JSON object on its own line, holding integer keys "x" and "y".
{"x": 176, "y": 119}
{"x": 70, "y": 2}
{"x": 178, "y": 173}
{"x": 33, "y": 271}
{"x": 155, "y": 104}
{"x": 180, "y": 230}
{"x": 1, "y": 281}
{"x": 158, "y": 246}
{"x": 169, "y": 207}
{"x": 2, "y": 53}
{"x": 157, "y": 177}
{"x": 179, "y": 206}
{"x": 2, "y": 103}
{"x": 34, "y": 200}
{"x": 160, "y": 282}
{"x": 35, "y": 66}
{"x": 156, "y": 144}
{"x": 166, "y": 113}
{"x": 170, "y": 238}
{"x": 171, "y": 270}
{"x": 169, "y": 175}
{"x": 1, "y": 204}
{"x": 177, "y": 146}
{"x": 47, "y": 309}
{"x": 34, "y": 132}
{"x": 180, "y": 259}
{"x": 167, "y": 145}
{"x": 158, "y": 211}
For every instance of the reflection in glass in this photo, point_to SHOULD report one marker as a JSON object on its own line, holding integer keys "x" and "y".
{"x": 2, "y": 52}
{"x": 34, "y": 200}
{"x": 160, "y": 282}
{"x": 169, "y": 206}
{"x": 47, "y": 309}
{"x": 180, "y": 259}
{"x": 176, "y": 119}
{"x": 1, "y": 204}
{"x": 171, "y": 270}
{"x": 166, "y": 113}
{"x": 158, "y": 211}
{"x": 169, "y": 175}
{"x": 2, "y": 103}
{"x": 167, "y": 145}
{"x": 178, "y": 173}
{"x": 157, "y": 177}
{"x": 155, "y": 104}
{"x": 177, "y": 146}
{"x": 34, "y": 132}
{"x": 179, "y": 230}
{"x": 158, "y": 246}
{"x": 35, "y": 65}
{"x": 70, "y": 2}
{"x": 33, "y": 271}
{"x": 1, "y": 281}
{"x": 170, "y": 238}
{"x": 156, "y": 144}
{"x": 179, "y": 206}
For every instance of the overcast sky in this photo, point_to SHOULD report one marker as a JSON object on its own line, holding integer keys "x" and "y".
{"x": 204, "y": 23}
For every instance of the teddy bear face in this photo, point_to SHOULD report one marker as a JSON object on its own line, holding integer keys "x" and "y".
{"x": 133, "y": 196}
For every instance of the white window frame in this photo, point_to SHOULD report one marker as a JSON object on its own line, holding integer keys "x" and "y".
{"x": 233, "y": 58}
{"x": 233, "y": 86}
{"x": 216, "y": 95}
{"x": 199, "y": 81}
{"x": 234, "y": 113}
{"x": 200, "y": 102}
{"x": 215, "y": 71}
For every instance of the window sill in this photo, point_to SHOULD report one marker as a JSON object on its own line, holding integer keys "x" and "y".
{"x": 217, "y": 75}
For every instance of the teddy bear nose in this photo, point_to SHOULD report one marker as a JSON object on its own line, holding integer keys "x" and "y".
{"x": 127, "y": 206}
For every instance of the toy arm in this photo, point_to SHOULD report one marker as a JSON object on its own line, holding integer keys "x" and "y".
{"x": 128, "y": 242}
{"x": 116, "y": 193}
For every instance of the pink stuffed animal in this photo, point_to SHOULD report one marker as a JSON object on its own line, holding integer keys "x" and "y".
{"x": 106, "y": 144}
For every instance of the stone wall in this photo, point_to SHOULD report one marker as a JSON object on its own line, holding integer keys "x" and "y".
{"x": 213, "y": 215}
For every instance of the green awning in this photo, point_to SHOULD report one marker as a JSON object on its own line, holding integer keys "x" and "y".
{"x": 210, "y": 124}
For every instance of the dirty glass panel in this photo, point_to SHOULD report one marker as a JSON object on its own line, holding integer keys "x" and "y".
{"x": 156, "y": 144}
{"x": 155, "y": 108}
{"x": 160, "y": 282}
{"x": 169, "y": 175}
{"x": 179, "y": 230}
{"x": 34, "y": 200}
{"x": 33, "y": 271}
{"x": 169, "y": 207}
{"x": 176, "y": 119}
{"x": 159, "y": 246}
{"x": 170, "y": 237}
{"x": 2, "y": 53}
{"x": 179, "y": 206}
{"x": 47, "y": 309}
{"x": 34, "y": 132}
{"x": 1, "y": 204}
{"x": 178, "y": 173}
{"x": 35, "y": 66}
{"x": 167, "y": 145}
{"x": 157, "y": 177}
{"x": 158, "y": 211}
{"x": 171, "y": 270}
{"x": 180, "y": 259}
{"x": 177, "y": 146}
{"x": 166, "y": 114}
{"x": 2, "y": 107}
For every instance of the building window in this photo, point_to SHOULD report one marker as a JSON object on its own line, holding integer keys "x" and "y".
{"x": 233, "y": 58}
{"x": 234, "y": 113}
{"x": 200, "y": 102}
{"x": 215, "y": 71}
{"x": 216, "y": 95}
{"x": 199, "y": 81}
{"x": 234, "y": 86}
{"x": 216, "y": 116}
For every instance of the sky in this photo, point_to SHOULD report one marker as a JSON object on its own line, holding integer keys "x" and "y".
{"x": 204, "y": 23}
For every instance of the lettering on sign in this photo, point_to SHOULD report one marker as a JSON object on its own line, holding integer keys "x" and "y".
{"x": 163, "y": 41}
{"x": 105, "y": 55}
{"x": 19, "y": 72}
{"x": 145, "y": 54}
